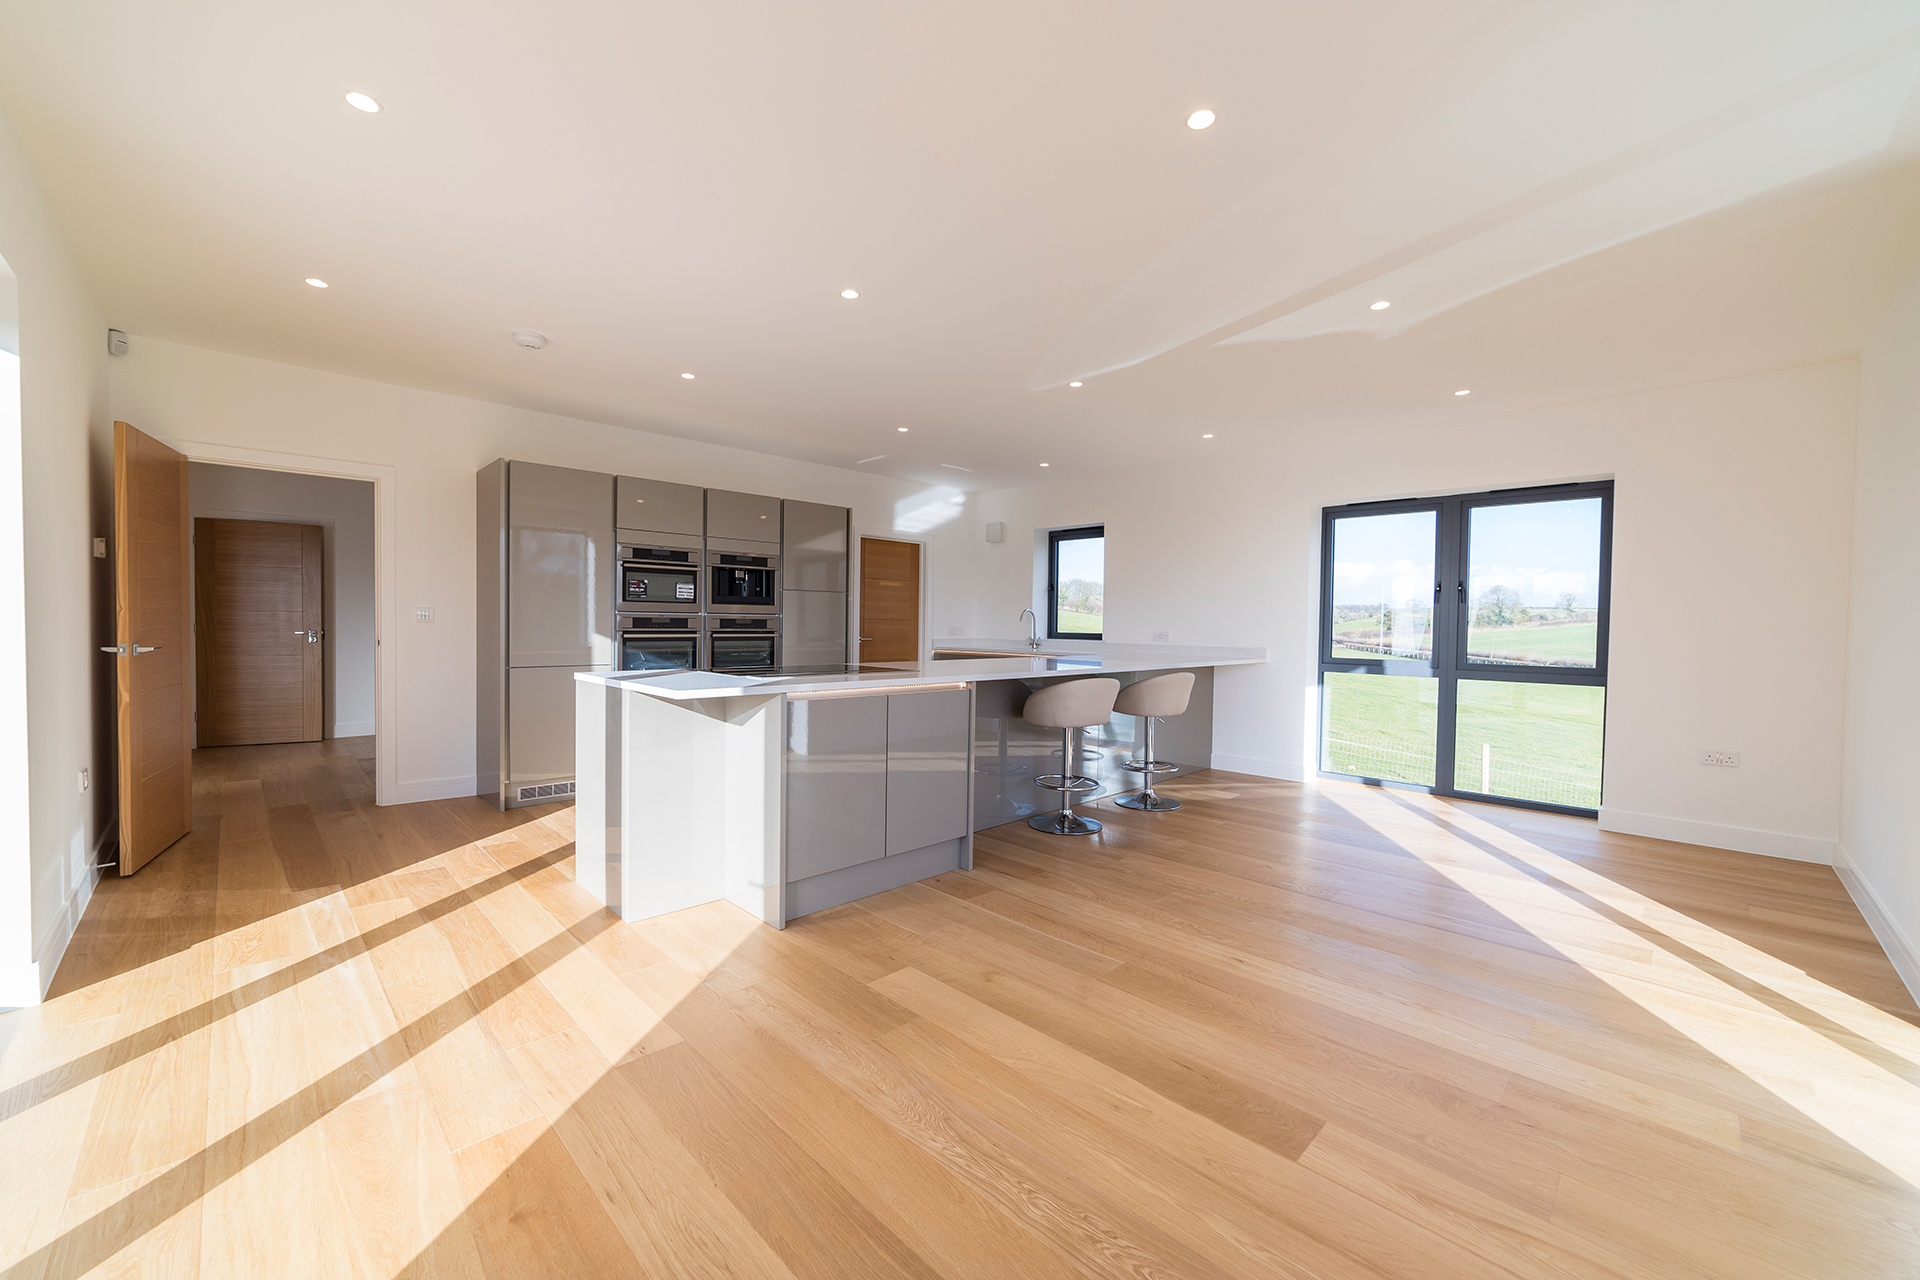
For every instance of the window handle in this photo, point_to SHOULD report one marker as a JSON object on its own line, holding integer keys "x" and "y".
{"x": 1463, "y": 591}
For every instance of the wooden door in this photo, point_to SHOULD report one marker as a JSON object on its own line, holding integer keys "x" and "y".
{"x": 150, "y": 633}
{"x": 889, "y": 600}
{"x": 258, "y": 631}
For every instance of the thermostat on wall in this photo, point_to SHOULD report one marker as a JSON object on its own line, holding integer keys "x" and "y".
{"x": 996, "y": 530}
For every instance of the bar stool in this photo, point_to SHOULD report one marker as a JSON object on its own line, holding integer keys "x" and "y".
{"x": 1069, "y": 706}
{"x": 1156, "y": 696}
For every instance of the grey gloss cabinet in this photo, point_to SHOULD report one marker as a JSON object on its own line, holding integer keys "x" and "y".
{"x": 927, "y": 739}
{"x": 742, "y": 517}
{"x": 813, "y": 546}
{"x": 836, "y": 784}
{"x": 657, "y": 506}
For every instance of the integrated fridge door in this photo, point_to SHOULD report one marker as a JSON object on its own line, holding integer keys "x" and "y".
{"x": 813, "y": 626}
{"x": 561, "y": 568}
{"x": 540, "y": 707}
{"x": 813, "y": 546}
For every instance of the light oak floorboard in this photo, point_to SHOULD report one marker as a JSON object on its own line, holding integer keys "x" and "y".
{"x": 1326, "y": 1033}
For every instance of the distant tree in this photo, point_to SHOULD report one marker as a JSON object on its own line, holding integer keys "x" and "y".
{"x": 1499, "y": 607}
{"x": 1566, "y": 602}
{"x": 1077, "y": 595}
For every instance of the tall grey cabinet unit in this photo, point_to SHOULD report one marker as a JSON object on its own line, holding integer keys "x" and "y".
{"x": 814, "y": 542}
{"x": 545, "y": 557}
{"x": 878, "y": 794}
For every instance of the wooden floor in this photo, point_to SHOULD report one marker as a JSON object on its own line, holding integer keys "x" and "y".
{"x": 1285, "y": 1032}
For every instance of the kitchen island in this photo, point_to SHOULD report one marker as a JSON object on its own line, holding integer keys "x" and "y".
{"x": 791, "y": 791}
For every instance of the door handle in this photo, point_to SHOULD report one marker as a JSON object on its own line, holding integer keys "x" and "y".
{"x": 866, "y": 639}
{"x": 120, "y": 650}
{"x": 313, "y": 637}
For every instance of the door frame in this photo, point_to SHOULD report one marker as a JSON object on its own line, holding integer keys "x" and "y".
{"x": 385, "y": 672}
{"x": 853, "y": 587}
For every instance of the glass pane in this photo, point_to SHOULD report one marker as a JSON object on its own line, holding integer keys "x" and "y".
{"x": 1530, "y": 741}
{"x": 1080, "y": 577}
{"x": 1533, "y": 586}
{"x": 1383, "y": 586}
{"x": 1379, "y": 726}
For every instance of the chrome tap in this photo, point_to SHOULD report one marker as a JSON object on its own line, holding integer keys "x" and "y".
{"x": 1033, "y": 628}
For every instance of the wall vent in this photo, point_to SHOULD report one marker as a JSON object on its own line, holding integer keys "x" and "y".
{"x": 546, "y": 791}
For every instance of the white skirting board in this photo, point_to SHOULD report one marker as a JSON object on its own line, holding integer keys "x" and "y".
{"x": 1892, "y": 938}
{"x": 1258, "y": 767}
{"x": 434, "y": 789}
{"x": 1715, "y": 835}
{"x": 27, "y": 984}
{"x": 352, "y": 729}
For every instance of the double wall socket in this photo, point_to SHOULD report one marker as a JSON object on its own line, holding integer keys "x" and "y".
{"x": 1731, "y": 759}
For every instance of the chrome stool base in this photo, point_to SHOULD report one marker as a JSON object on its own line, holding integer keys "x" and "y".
{"x": 1064, "y": 823}
{"x": 1146, "y": 800}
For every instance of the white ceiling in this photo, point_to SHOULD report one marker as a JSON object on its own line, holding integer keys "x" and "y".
{"x": 1562, "y": 201}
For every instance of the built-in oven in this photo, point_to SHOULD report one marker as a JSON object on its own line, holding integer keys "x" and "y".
{"x": 658, "y": 642}
{"x": 743, "y": 644}
{"x": 742, "y": 581}
{"x": 663, "y": 579}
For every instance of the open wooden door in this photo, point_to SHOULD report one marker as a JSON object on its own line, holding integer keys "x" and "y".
{"x": 150, "y": 628}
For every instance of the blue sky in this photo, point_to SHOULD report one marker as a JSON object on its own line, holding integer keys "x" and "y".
{"x": 1542, "y": 549}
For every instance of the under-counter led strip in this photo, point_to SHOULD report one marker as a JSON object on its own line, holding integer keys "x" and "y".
{"x": 869, "y": 693}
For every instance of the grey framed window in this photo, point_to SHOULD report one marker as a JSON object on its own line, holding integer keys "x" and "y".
{"x": 1076, "y": 583}
{"x": 1463, "y": 644}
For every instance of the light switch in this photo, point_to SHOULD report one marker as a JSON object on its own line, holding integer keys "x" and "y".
{"x": 423, "y": 615}
{"x": 99, "y": 548}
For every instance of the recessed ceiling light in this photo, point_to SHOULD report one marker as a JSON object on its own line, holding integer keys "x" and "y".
{"x": 1207, "y": 435}
{"x": 362, "y": 102}
{"x": 849, "y": 294}
{"x": 316, "y": 282}
{"x": 687, "y": 376}
{"x": 900, "y": 428}
{"x": 1464, "y": 392}
{"x": 1076, "y": 384}
{"x": 1046, "y": 464}
{"x": 1200, "y": 119}
{"x": 529, "y": 339}
{"x": 1381, "y": 305}
{"x": 875, "y": 458}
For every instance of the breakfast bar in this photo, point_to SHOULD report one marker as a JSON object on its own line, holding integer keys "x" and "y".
{"x": 800, "y": 789}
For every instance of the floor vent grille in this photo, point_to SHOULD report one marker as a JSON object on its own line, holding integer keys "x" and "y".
{"x": 546, "y": 791}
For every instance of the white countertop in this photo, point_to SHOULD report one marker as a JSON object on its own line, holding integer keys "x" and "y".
{"x": 1055, "y": 658}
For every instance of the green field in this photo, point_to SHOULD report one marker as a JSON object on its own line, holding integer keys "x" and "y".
{"x": 1071, "y": 623}
{"x": 1545, "y": 740}
{"x": 1569, "y": 643}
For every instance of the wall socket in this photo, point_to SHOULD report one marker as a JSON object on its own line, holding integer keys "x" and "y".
{"x": 423, "y": 615}
{"x": 1731, "y": 759}
{"x": 1161, "y": 637}
{"x": 99, "y": 548}
{"x": 86, "y": 779}
{"x": 956, "y": 631}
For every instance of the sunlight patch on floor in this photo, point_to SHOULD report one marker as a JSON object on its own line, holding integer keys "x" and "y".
{"x": 1841, "y": 1089}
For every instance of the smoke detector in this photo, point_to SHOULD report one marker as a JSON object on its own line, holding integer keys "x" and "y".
{"x": 529, "y": 339}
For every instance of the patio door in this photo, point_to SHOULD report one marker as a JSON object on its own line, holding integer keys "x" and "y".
{"x": 1463, "y": 644}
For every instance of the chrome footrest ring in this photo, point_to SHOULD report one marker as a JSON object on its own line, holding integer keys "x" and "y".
{"x": 1149, "y": 766}
{"x": 1067, "y": 782}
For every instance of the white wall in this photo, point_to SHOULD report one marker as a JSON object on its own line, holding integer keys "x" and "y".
{"x": 1732, "y": 522}
{"x": 434, "y": 444}
{"x": 344, "y": 509}
{"x": 1880, "y": 842}
{"x": 55, "y": 495}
